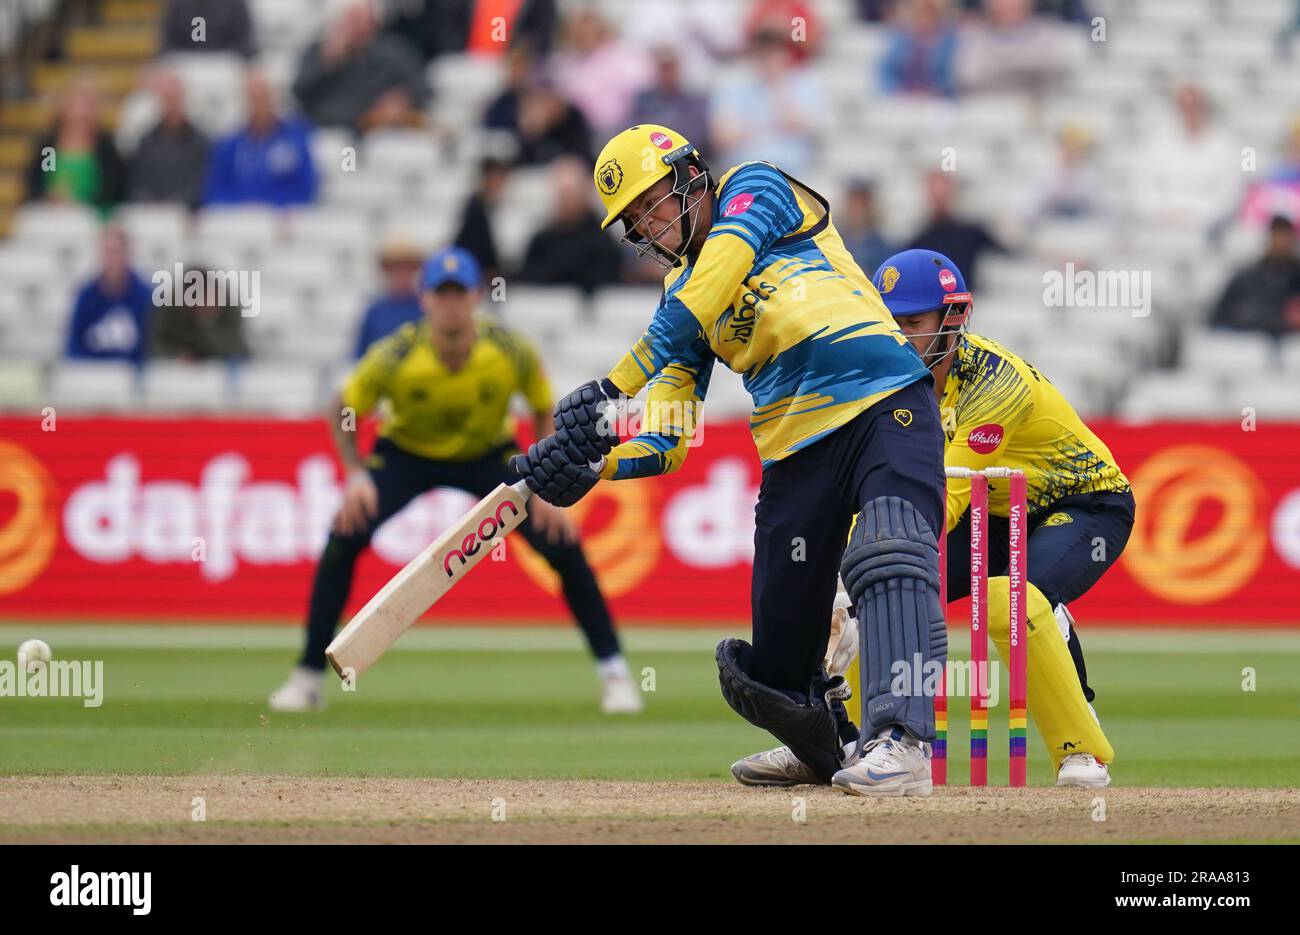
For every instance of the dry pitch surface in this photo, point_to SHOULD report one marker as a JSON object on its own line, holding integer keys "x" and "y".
{"x": 263, "y": 809}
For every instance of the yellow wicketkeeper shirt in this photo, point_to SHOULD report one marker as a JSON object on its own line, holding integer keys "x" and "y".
{"x": 999, "y": 411}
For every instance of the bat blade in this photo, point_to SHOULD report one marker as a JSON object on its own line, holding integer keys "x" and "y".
{"x": 426, "y": 578}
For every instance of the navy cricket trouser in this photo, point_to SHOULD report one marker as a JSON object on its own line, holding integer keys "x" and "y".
{"x": 1071, "y": 544}
{"x": 806, "y": 504}
{"x": 401, "y": 477}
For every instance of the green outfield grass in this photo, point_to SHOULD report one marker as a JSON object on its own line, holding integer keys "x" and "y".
{"x": 501, "y": 702}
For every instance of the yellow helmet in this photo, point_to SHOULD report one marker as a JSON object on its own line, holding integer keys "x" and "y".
{"x": 633, "y": 161}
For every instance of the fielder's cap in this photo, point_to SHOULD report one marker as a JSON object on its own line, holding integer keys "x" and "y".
{"x": 917, "y": 281}
{"x": 451, "y": 265}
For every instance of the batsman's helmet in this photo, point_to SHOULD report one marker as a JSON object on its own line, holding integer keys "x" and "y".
{"x": 636, "y": 159}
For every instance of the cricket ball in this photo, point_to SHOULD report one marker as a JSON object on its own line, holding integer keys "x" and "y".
{"x": 34, "y": 654}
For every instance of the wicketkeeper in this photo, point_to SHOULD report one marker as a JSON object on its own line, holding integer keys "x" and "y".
{"x": 999, "y": 410}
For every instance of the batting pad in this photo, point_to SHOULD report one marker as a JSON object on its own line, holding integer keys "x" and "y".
{"x": 891, "y": 571}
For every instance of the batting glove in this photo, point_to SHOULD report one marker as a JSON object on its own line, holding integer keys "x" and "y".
{"x": 581, "y": 423}
{"x": 552, "y": 474}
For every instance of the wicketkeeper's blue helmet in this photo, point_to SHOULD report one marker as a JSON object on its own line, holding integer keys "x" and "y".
{"x": 918, "y": 281}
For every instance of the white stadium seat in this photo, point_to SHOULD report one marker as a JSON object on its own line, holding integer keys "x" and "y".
{"x": 543, "y": 311}
{"x": 246, "y": 234}
{"x": 625, "y": 311}
{"x": 69, "y": 229}
{"x": 279, "y": 387}
{"x": 1227, "y": 353}
{"x": 1177, "y": 395}
{"x": 24, "y": 264}
{"x": 95, "y": 386}
{"x": 1269, "y": 395}
{"x": 175, "y": 386}
{"x": 21, "y": 386}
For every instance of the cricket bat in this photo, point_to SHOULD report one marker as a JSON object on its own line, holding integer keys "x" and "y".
{"x": 426, "y": 578}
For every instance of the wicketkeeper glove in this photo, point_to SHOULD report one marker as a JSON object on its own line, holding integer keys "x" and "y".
{"x": 552, "y": 474}
{"x": 581, "y": 424}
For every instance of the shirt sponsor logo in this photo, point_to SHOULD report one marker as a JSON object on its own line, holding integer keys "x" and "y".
{"x": 903, "y": 417}
{"x": 984, "y": 439}
{"x": 738, "y": 205}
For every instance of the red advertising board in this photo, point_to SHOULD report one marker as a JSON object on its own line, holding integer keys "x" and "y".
{"x": 221, "y": 519}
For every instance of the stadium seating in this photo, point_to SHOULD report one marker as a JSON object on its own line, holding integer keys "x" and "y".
{"x": 317, "y": 263}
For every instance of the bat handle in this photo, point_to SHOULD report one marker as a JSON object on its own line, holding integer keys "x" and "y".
{"x": 521, "y": 488}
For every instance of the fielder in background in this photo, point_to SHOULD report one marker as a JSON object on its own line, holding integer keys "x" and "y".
{"x": 998, "y": 410}
{"x": 448, "y": 381}
{"x": 844, "y": 421}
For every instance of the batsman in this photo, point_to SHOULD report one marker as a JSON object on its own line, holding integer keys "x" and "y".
{"x": 844, "y": 420}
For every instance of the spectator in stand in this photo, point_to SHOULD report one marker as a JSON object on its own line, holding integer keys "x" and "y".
{"x": 1279, "y": 192}
{"x": 357, "y": 77}
{"x": 571, "y": 249}
{"x": 110, "y": 317}
{"x": 858, "y": 221}
{"x": 542, "y": 123}
{"x": 962, "y": 241}
{"x": 399, "y": 265}
{"x": 770, "y": 112}
{"x": 208, "y": 26}
{"x": 198, "y": 332}
{"x": 171, "y": 162}
{"x": 520, "y": 70}
{"x": 77, "y": 160}
{"x": 1010, "y": 49}
{"x": 668, "y": 103}
{"x": 1072, "y": 189}
{"x": 703, "y": 34}
{"x": 793, "y": 20}
{"x": 440, "y": 27}
{"x": 598, "y": 71}
{"x": 475, "y": 234}
{"x": 1188, "y": 173}
{"x": 922, "y": 45}
{"x": 267, "y": 162}
{"x": 1264, "y": 296}
{"x": 550, "y": 126}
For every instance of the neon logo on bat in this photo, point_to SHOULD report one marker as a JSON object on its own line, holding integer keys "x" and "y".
{"x": 473, "y": 541}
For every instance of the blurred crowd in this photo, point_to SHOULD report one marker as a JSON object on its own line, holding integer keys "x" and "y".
{"x": 570, "y": 79}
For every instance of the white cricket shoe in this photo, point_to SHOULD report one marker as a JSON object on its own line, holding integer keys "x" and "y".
{"x": 1083, "y": 771}
{"x": 304, "y": 691}
{"x": 777, "y": 767}
{"x": 780, "y": 767}
{"x": 619, "y": 693}
{"x": 888, "y": 767}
